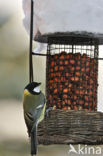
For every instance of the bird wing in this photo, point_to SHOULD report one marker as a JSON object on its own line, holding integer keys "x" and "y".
{"x": 29, "y": 120}
{"x": 32, "y": 119}
{"x": 33, "y": 115}
{"x": 38, "y": 110}
{"x": 39, "y": 114}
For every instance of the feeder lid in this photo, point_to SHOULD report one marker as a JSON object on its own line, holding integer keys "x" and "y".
{"x": 70, "y": 38}
{"x": 66, "y": 16}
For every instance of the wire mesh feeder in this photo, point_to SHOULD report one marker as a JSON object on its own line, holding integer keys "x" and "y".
{"x": 71, "y": 89}
{"x": 72, "y": 72}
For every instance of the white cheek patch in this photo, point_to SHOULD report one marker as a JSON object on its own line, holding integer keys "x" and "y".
{"x": 37, "y": 89}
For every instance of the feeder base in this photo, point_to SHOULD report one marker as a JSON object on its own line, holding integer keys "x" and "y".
{"x": 71, "y": 127}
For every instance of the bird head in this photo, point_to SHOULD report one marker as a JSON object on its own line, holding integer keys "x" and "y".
{"x": 33, "y": 88}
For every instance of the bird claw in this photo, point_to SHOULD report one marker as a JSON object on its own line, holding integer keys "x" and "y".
{"x": 48, "y": 110}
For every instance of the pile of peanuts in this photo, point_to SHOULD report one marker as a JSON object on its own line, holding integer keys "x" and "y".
{"x": 72, "y": 81}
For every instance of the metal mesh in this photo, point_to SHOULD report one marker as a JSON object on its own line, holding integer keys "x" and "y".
{"x": 72, "y": 73}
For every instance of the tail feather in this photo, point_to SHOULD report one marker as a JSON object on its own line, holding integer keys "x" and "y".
{"x": 34, "y": 142}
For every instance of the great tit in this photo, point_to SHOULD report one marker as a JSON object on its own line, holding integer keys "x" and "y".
{"x": 34, "y": 111}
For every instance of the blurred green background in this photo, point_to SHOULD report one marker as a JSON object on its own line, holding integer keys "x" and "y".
{"x": 14, "y": 46}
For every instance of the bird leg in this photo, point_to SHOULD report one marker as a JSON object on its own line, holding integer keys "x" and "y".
{"x": 48, "y": 110}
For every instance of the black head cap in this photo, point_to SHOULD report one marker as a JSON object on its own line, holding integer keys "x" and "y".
{"x": 30, "y": 87}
